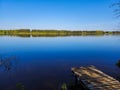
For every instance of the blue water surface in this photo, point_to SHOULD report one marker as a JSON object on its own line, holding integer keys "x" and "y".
{"x": 44, "y": 63}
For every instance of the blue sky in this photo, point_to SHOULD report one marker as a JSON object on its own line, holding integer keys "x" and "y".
{"x": 57, "y": 14}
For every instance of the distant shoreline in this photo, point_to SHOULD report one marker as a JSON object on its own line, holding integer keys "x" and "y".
{"x": 38, "y": 33}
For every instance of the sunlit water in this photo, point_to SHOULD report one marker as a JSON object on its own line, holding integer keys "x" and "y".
{"x": 44, "y": 63}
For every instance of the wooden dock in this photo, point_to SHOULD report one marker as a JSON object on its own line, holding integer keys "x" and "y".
{"x": 94, "y": 79}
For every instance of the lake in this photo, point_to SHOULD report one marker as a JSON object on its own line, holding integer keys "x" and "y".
{"x": 44, "y": 63}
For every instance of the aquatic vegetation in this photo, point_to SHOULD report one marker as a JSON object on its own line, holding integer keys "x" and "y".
{"x": 7, "y": 62}
{"x": 118, "y": 63}
{"x": 64, "y": 86}
{"x": 20, "y": 86}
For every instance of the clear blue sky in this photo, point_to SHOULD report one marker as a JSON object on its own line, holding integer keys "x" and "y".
{"x": 57, "y": 14}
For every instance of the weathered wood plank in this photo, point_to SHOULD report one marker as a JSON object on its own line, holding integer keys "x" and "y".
{"x": 95, "y": 79}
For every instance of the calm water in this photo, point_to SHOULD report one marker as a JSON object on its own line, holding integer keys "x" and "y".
{"x": 43, "y": 63}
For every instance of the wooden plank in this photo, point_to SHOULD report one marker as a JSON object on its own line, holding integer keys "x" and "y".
{"x": 95, "y": 79}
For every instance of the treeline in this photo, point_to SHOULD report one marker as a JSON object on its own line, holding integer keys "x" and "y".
{"x": 38, "y": 33}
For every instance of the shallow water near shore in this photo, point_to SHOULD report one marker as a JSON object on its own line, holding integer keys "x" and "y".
{"x": 44, "y": 63}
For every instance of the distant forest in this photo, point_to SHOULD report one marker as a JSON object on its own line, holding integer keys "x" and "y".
{"x": 52, "y": 33}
